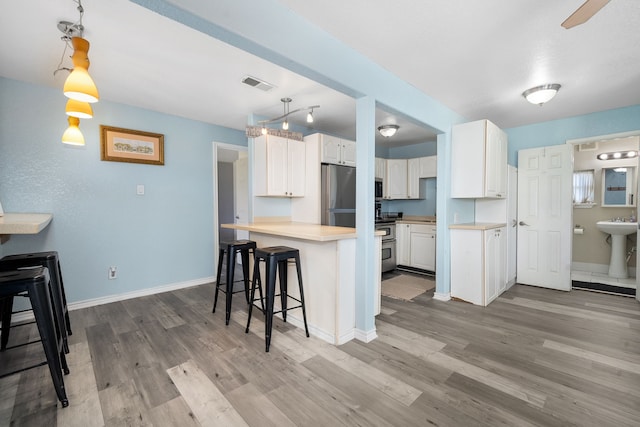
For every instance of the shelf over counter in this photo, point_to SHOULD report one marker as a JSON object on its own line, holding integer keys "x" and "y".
{"x": 22, "y": 223}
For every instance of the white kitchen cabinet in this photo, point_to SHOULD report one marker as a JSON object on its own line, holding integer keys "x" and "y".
{"x": 396, "y": 179}
{"x": 279, "y": 167}
{"x": 413, "y": 178}
{"x": 479, "y": 160}
{"x": 338, "y": 151}
{"x": 403, "y": 244}
{"x": 381, "y": 168}
{"x": 478, "y": 262}
{"x": 416, "y": 246}
{"x": 428, "y": 167}
{"x": 422, "y": 246}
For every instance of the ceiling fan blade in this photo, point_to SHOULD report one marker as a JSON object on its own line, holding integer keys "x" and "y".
{"x": 584, "y": 13}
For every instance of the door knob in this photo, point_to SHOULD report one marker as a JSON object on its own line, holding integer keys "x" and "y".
{"x": 523, "y": 223}
{"x": 514, "y": 222}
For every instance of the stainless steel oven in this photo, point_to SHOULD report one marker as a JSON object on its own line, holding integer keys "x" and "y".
{"x": 388, "y": 253}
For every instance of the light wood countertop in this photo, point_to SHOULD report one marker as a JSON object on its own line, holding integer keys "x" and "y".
{"x": 477, "y": 226}
{"x": 24, "y": 223}
{"x": 299, "y": 230}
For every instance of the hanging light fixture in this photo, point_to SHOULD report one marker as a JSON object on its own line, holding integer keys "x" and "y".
{"x": 285, "y": 115}
{"x": 72, "y": 135}
{"x": 541, "y": 94}
{"x": 388, "y": 130}
{"x": 79, "y": 85}
{"x": 81, "y": 110}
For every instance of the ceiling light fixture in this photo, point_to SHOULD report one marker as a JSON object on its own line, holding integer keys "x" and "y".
{"x": 286, "y": 113}
{"x": 81, "y": 110}
{"x": 388, "y": 130}
{"x": 73, "y": 136}
{"x": 541, "y": 94}
{"x": 617, "y": 155}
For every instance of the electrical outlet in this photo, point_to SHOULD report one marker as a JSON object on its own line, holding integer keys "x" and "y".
{"x": 113, "y": 273}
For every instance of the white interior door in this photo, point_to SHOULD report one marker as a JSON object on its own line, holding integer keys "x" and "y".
{"x": 512, "y": 222}
{"x": 241, "y": 193}
{"x": 544, "y": 216}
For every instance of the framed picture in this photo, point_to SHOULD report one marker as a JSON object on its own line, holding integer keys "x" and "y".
{"x": 131, "y": 146}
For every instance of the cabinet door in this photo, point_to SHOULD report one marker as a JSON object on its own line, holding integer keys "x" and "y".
{"x": 423, "y": 247}
{"x": 495, "y": 162}
{"x": 413, "y": 179}
{"x": 296, "y": 168}
{"x": 403, "y": 244}
{"x": 331, "y": 148}
{"x": 428, "y": 166}
{"x": 495, "y": 259}
{"x": 348, "y": 153}
{"x": 277, "y": 166}
{"x": 396, "y": 181}
{"x": 381, "y": 165}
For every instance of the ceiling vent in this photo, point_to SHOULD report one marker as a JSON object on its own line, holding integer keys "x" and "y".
{"x": 257, "y": 83}
{"x": 588, "y": 146}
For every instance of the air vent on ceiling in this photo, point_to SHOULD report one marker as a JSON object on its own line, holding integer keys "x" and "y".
{"x": 257, "y": 83}
{"x": 588, "y": 146}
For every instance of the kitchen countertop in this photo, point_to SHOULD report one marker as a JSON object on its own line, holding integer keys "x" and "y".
{"x": 477, "y": 226}
{"x": 22, "y": 223}
{"x": 299, "y": 230}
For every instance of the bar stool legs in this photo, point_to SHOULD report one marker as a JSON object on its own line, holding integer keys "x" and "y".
{"x": 276, "y": 260}
{"x": 231, "y": 249}
{"x": 34, "y": 282}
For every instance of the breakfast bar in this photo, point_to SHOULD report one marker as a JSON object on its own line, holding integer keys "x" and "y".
{"x": 22, "y": 223}
{"x": 328, "y": 259}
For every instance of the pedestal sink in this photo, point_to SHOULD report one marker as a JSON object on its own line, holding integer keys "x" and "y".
{"x": 619, "y": 231}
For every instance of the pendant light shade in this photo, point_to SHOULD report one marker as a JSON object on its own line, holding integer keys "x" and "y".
{"x": 81, "y": 110}
{"x": 72, "y": 135}
{"x": 79, "y": 85}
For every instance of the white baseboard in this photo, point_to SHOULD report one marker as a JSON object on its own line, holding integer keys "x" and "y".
{"x": 26, "y": 316}
{"x": 442, "y": 296}
{"x": 364, "y": 336}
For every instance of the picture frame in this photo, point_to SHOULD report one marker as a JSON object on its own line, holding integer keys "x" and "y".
{"x": 131, "y": 146}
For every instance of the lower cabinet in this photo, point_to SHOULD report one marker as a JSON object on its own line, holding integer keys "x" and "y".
{"x": 478, "y": 263}
{"x": 416, "y": 246}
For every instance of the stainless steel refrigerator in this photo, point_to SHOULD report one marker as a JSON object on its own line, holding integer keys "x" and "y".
{"x": 338, "y": 195}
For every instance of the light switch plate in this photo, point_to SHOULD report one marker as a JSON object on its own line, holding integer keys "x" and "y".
{"x": 140, "y": 190}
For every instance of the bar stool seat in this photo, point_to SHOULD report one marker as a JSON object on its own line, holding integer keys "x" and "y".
{"x": 50, "y": 261}
{"x": 244, "y": 248}
{"x": 35, "y": 283}
{"x": 276, "y": 258}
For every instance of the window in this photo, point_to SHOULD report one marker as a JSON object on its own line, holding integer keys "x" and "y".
{"x": 583, "y": 188}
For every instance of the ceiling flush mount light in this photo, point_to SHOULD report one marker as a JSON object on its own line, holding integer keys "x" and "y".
{"x": 541, "y": 94}
{"x": 388, "y": 130}
{"x": 285, "y": 115}
{"x": 617, "y": 155}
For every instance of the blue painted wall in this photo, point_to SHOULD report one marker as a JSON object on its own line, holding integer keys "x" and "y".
{"x": 163, "y": 237}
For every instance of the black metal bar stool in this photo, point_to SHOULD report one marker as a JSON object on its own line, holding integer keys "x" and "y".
{"x": 51, "y": 261}
{"x": 276, "y": 258}
{"x": 35, "y": 283}
{"x": 244, "y": 247}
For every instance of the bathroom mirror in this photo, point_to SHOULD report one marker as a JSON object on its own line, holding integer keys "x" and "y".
{"x": 619, "y": 186}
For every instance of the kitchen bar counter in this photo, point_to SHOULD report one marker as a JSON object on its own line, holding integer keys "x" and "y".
{"x": 328, "y": 261}
{"x": 477, "y": 226}
{"x": 22, "y": 223}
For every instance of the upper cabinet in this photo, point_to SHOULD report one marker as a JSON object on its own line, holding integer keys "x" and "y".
{"x": 396, "y": 179}
{"x": 279, "y": 167}
{"x": 428, "y": 166}
{"x": 413, "y": 178}
{"x": 479, "y": 160}
{"x": 337, "y": 151}
{"x": 381, "y": 168}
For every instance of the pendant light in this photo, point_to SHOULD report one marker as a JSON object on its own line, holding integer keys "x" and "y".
{"x": 79, "y": 85}
{"x": 81, "y": 110}
{"x": 72, "y": 135}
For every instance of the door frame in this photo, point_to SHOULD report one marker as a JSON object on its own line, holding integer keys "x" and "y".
{"x": 216, "y": 223}
{"x": 609, "y": 136}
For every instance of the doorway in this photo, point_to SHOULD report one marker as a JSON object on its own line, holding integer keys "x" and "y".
{"x": 230, "y": 193}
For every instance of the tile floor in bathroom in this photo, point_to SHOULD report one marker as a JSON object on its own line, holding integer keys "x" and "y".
{"x": 591, "y": 277}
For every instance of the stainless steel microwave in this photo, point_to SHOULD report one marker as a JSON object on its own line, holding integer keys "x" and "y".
{"x": 378, "y": 189}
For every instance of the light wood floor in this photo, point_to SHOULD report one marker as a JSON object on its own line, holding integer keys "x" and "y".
{"x": 533, "y": 357}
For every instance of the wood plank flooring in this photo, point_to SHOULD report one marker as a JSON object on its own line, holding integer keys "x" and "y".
{"x": 534, "y": 357}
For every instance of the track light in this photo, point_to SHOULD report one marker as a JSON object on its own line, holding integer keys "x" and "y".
{"x": 286, "y": 113}
{"x": 310, "y": 116}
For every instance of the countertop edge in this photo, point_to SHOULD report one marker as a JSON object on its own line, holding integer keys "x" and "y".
{"x": 297, "y": 230}
{"x": 24, "y": 223}
{"x": 477, "y": 226}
